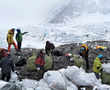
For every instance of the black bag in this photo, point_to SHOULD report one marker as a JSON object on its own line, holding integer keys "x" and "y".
{"x": 21, "y": 62}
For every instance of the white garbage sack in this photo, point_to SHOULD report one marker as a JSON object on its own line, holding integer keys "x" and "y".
{"x": 28, "y": 84}
{"x": 106, "y": 67}
{"x": 42, "y": 88}
{"x": 69, "y": 84}
{"x": 102, "y": 87}
{"x": 79, "y": 77}
{"x": 43, "y": 83}
{"x": 8, "y": 86}
{"x": 2, "y": 84}
{"x": 14, "y": 77}
{"x": 28, "y": 89}
{"x": 55, "y": 80}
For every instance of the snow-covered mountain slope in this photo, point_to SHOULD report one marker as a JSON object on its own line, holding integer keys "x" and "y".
{"x": 78, "y": 8}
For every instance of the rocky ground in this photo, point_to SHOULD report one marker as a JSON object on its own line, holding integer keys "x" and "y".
{"x": 61, "y": 61}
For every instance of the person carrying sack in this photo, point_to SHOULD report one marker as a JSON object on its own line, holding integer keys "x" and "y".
{"x": 97, "y": 66}
{"x": 84, "y": 53}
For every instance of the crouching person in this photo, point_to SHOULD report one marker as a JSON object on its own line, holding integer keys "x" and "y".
{"x": 97, "y": 66}
{"x": 40, "y": 62}
{"x": 7, "y": 66}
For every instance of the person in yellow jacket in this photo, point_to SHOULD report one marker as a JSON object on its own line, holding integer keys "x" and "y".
{"x": 84, "y": 53}
{"x": 97, "y": 66}
{"x": 10, "y": 40}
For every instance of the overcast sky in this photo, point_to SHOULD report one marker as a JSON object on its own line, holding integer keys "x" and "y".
{"x": 24, "y": 12}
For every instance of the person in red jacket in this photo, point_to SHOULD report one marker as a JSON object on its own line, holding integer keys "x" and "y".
{"x": 40, "y": 61}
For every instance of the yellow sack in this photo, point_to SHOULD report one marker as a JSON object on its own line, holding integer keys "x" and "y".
{"x": 105, "y": 77}
{"x": 31, "y": 63}
{"x": 78, "y": 61}
{"x": 48, "y": 62}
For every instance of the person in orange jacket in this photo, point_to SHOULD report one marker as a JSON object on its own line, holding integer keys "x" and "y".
{"x": 10, "y": 40}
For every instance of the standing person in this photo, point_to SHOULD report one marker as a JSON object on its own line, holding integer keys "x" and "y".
{"x": 10, "y": 40}
{"x": 7, "y": 66}
{"x": 97, "y": 66}
{"x": 19, "y": 38}
{"x": 49, "y": 47}
{"x": 84, "y": 53}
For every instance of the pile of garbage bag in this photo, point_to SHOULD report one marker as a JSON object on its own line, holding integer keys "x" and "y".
{"x": 64, "y": 79}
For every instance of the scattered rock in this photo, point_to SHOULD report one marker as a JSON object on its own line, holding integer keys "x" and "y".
{"x": 61, "y": 61}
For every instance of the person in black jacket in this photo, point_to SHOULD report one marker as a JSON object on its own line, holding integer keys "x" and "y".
{"x": 49, "y": 47}
{"x": 7, "y": 66}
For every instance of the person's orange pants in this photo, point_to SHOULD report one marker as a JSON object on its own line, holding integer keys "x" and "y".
{"x": 9, "y": 46}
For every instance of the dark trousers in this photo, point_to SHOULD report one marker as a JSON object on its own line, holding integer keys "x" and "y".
{"x": 97, "y": 75}
{"x": 6, "y": 76}
{"x": 19, "y": 45}
{"x": 87, "y": 62}
{"x": 41, "y": 71}
{"x": 39, "y": 66}
{"x": 86, "y": 59}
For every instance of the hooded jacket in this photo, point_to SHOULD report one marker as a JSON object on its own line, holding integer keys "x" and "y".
{"x": 49, "y": 47}
{"x": 19, "y": 35}
{"x": 84, "y": 50}
{"x": 40, "y": 60}
{"x": 6, "y": 65}
{"x": 10, "y": 37}
{"x": 97, "y": 66}
{"x": 85, "y": 46}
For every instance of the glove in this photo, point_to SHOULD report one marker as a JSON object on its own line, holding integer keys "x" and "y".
{"x": 38, "y": 68}
{"x": 71, "y": 59}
